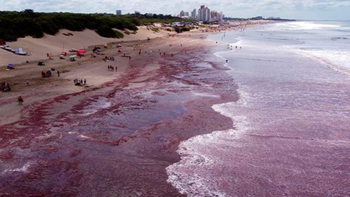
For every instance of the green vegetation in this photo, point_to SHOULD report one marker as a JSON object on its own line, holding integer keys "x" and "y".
{"x": 155, "y": 29}
{"x": 14, "y": 25}
{"x": 182, "y": 29}
{"x": 127, "y": 32}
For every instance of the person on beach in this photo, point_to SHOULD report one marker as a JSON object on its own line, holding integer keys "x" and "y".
{"x": 116, "y": 68}
{"x": 8, "y": 87}
{"x": 20, "y": 100}
{"x": 27, "y": 82}
{"x": 58, "y": 73}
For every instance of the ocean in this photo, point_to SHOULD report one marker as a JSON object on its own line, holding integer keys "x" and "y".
{"x": 291, "y": 125}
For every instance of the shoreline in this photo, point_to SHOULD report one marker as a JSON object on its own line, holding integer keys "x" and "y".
{"x": 170, "y": 96}
{"x": 42, "y": 120}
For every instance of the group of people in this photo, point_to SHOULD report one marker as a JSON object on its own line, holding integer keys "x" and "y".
{"x": 111, "y": 68}
{"x": 79, "y": 82}
{"x": 5, "y": 87}
{"x": 231, "y": 47}
{"x": 108, "y": 58}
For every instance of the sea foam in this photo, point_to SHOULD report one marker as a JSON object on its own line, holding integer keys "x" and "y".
{"x": 202, "y": 153}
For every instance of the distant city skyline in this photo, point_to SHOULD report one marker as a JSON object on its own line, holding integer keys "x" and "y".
{"x": 204, "y": 14}
{"x": 291, "y": 9}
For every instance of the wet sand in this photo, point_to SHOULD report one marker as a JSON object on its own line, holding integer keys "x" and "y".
{"x": 116, "y": 135}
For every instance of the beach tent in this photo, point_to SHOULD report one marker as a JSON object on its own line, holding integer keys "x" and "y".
{"x": 19, "y": 51}
{"x": 10, "y": 66}
{"x": 96, "y": 49}
{"x": 81, "y": 52}
{"x": 72, "y": 57}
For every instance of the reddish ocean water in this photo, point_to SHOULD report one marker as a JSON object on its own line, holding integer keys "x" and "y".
{"x": 291, "y": 130}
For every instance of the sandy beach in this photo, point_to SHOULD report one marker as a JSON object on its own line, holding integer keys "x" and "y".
{"x": 116, "y": 134}
{"x": 121, "y": 129}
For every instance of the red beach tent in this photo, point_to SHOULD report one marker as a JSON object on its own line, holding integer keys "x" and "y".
{"x": 81, "y": 52}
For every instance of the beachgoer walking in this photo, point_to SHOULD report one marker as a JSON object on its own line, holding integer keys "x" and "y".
{"x": 58, "y": 73}
{"x": 20, "y": 100}
{"x": 116, "y": 68}
{"x": 8, "y": 87}
{"x": 27, "y": 82}
{"x": 84, "y": 81}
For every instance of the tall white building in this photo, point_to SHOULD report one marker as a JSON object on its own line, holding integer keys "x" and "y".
{"x": 194, "y": 13}
{"x": 204, "y": 14}
{"x": 182, "y": 13}
{"x": 216, "y": 16}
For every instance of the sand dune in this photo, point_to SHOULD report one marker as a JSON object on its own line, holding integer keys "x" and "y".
{"x": 38, "y": 48}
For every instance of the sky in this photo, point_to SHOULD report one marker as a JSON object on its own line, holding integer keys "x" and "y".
{"x": 289, "y": 9}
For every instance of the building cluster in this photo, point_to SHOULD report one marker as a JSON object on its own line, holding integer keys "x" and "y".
{"x": 203, "y": 14}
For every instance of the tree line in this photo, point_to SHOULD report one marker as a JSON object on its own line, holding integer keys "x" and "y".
{"x": 14, "y": 25}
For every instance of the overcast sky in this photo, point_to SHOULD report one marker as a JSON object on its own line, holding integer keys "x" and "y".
{"x": 293, "y": 9}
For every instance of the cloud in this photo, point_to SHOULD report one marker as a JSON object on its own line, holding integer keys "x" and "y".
{"x": 242, "y": 8}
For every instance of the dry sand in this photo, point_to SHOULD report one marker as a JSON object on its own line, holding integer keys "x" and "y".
{"x": 38, "y": 48}
{"x": 94, "y": 70}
